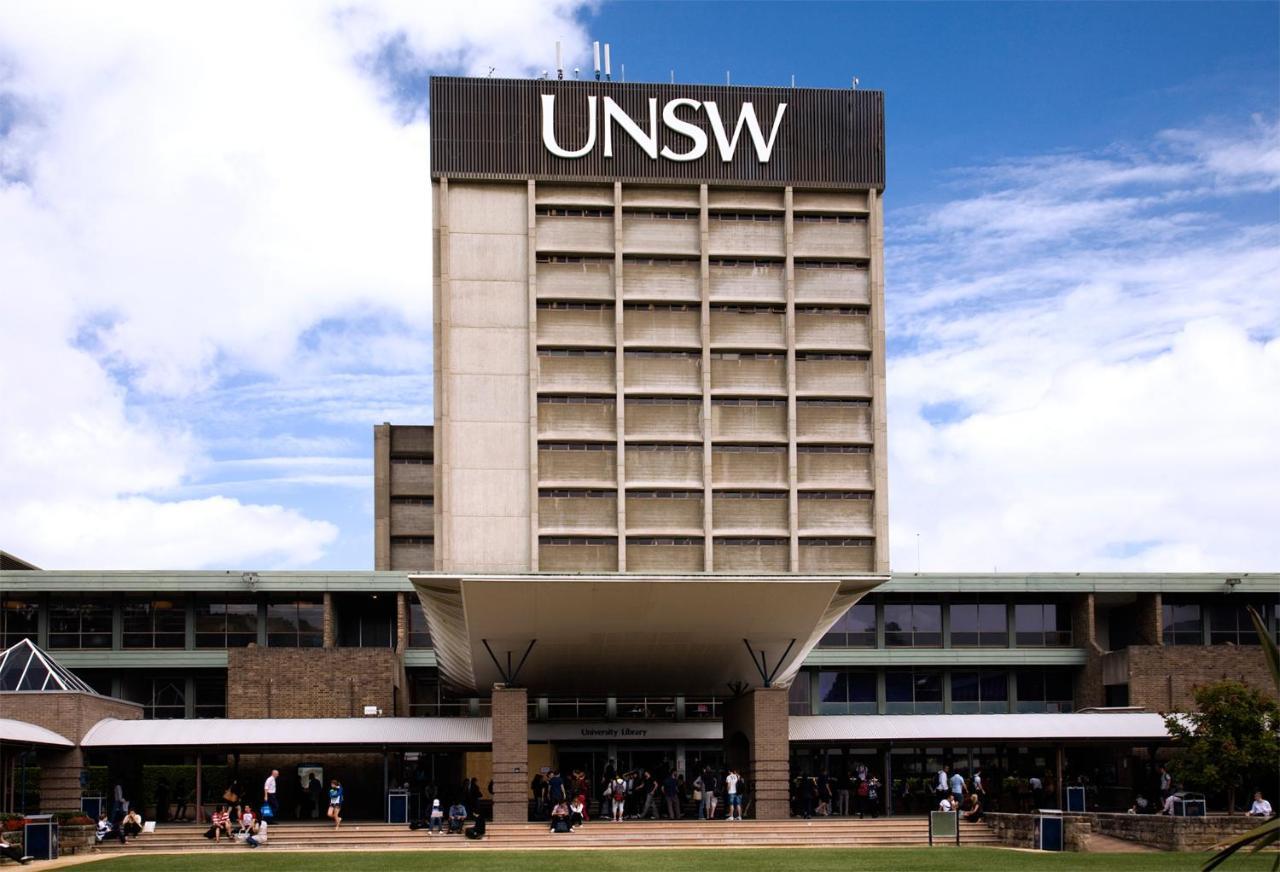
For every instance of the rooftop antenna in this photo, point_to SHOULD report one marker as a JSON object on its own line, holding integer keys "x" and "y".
{"x": 575, "y": 72}
{"x": 595, "y": 50}
{"x": 559, "y": 64}
{"x": 726, "y": 77}
{"x": 623, "y": 68}
{"x": 491, "y": 71}
{"x": 855, "y": 83}
{"x": 793, "y": 80}
{"x": 673, "y": 77}
{"x": 608, "y": 71}
{"x": 546, "y": 75}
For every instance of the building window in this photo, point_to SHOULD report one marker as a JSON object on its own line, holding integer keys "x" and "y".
{"x": 798, "y": 702}
{"x": 211, "y": 697}
{"x": 19, "y": 619}
{"x": 1183, "y": 624}
{"x": 855, "y": 629}
{"x": 1042, "y": 625}
{"x": 419, "y": 631}
{"x": 80, "y": 621}
{"x": 1043, "y": 690}
{"x": 154, "y": 622}
{"x": 912, "y": 692}
{"x": 979, "y": 692}
{"x": 1230, "y": 624}
{"x": 167, "y": 700}
{"x": 365, "y": 620}
{"x": 979, "y": 625}
{"x": 296, "y": 622}
{"x": 225, "y": 622}
{"x": 913, "y": 625}
{"x": 846, "y": 692}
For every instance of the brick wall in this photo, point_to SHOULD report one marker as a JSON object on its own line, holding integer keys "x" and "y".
{"x": 761, "y": 717}
{"x": 510, "y": 755}
{"x": 1088, "y": 682}
{"x": 1162, "y": 678}
{"x": 313, "y": 682}
{"x": 1150, "y": 619}
{"x": 69, "y": 714}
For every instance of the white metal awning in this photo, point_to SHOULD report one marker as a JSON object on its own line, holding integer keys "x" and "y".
{"x": 214, "y": 733}
{"x": 625, "y": 633}
{"x": 23, "y": 733}
{"x": 1083, "y": 726}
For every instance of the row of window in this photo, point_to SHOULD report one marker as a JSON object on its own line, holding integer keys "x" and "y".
{"x": 930, "y": 691}
{"x": 721, "y": 262}
{"x": 218, "y": 621}
{"x": 1220, "y": 623}
{"x": 761, "y": 402}
{"x": 840, "y": 542}
{"x": 918, "y": 624}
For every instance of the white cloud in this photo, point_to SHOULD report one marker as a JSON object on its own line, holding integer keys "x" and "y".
{"x": 1092, "y": 381}
{"x": 195, "y": 194}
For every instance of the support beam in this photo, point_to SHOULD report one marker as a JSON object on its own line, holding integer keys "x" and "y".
{"x": 510, "y": 754}
{"x": 760, "y": 719}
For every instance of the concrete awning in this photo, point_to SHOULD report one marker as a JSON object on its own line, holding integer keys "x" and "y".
{"x": 212, "y": 733}
{"x": 23, "y": 733}
{"x": 980, "y": 729}
{"x": 630, "y": 634}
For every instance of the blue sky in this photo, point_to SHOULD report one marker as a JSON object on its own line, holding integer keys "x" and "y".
{"x": 217, "y": 275}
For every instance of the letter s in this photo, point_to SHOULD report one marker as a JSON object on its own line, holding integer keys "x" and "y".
{"x": 684, "y": 128}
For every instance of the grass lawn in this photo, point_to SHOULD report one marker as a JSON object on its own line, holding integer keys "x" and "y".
{"x": 730, "y": 859}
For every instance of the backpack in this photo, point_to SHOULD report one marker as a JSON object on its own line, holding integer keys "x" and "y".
{"x": 266, "y": 813}
{"x": 562, "y": 826}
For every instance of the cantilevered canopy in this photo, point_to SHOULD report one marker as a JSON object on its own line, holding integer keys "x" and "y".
{"x": 23, "y": 733}
{"x": 630, "y": 634}
{"x": 214, "y": 733}
{"x": 25, "y": 667}
{"x": 984, "y": 729}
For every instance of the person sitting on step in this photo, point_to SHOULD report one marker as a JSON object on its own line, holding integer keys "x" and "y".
{"x": 560, "y": 817}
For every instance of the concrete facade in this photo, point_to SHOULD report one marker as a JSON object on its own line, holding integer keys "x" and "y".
{"x": 403, "y": 497}
{"x": 624, "y": 371}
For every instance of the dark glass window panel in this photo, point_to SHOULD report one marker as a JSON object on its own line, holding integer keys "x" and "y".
{"x": 168, "y": 699}
{"x": 964, "y": 625}
{"x": 310, "y": 625}
{"x": 897, "y": 625}
{"x": 1057, "y": 686}
{"x": 19, "y": 619}
{"x": 80, "y": 622}
{"x": 928, "y": 686}
{"x": 833, "y": 686}
{"x": 928, "y": 625}
{"x": 994, "y": 687}
{"x": 1182, "y": 624}
{"x": 1030, "y": 686}
{"x": 862, "y": 687}
{"x": 1057, "y": 625}
{"x": 993, "y": 624}
{"x": 964, "y": 687}
{"x": 1028, "y": 623}
{"x": 420, "y": 632}
{"x": 798, "y": 695}
{"x": 211, "y": 698}
{"x": 898, "y": 687}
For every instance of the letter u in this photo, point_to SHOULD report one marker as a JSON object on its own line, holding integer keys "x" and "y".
{"x": 549, "y": 128}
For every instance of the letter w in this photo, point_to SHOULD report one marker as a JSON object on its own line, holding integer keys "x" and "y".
{"x": 746, "y": 117}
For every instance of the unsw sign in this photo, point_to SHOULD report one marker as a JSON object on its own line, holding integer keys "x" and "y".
{"x": 615, "y": 117}
{"x": 588, "y": 131}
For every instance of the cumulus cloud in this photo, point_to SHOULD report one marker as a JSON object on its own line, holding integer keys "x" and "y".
{"x": 1087, "y": 369}
{"x": 197, "y": 197}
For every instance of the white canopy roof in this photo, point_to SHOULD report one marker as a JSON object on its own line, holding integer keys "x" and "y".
{"x": 23, "y": 733}
{"x": 627, "y": 633}
{"x": 281, "y": 732}
{"x": 983, "y": 729}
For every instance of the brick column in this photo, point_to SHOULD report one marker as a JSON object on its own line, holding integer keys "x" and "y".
{"x": 60, "y": 779}
{"x": 761, "y": 718}
{"x": 330, "y": 623}
{"x": 1088, "y": 683}
{"x": 402, "y": 623}
{"x": 510, "y": 755}
{"x": 1150, "y": 619}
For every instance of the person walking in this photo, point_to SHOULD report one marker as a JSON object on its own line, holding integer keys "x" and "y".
{"x": 671, "y": 793}
{"x": 650, "y": 788}
{"x": 733, "y": 798}
{"x": 336, "y": 798}
{"x": 619, "y": 796}
{"x": 943, "y": 787}
{"x": 269, "y": 793}
{"x": 844, "y": 788}
{"x": 957, "y": 789}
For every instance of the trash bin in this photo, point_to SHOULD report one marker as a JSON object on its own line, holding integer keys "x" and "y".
{"x": 398, "y": 807}
{"x": 93, "y": 806}
{"x": 40, "y": 837}
{"x": 944, "y": 826}
{"x": 1187, "y": 804}
{"x": 1049, "y": 832}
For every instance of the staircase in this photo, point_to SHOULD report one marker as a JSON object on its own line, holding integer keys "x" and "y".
{"x": 900, "y": 832}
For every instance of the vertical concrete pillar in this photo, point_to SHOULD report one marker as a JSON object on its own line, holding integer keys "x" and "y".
{"x": 60, "y": 780}
{"x": 760, "y": 718}
{"x": 382, "y": 496}
{"x": 330, "y": 622}
{"x": 402, "y": 623}
{"x": 510, "y": 755}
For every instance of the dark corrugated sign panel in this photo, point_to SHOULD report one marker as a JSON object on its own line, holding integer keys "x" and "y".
{"x": 492, "y": 129}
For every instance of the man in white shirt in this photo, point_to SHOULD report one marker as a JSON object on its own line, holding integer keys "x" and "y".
{"x": 945, "y": 804}
{"x": 732, "y": 797}
{"x": 269, "y": 792}
{"x": 1260, "y": 807}
{"x": 943, "y": 781}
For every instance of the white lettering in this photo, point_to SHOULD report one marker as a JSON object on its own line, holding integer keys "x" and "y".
{"x": 748, "y": 117}
{"x": 684, "y": 128}
{"x": 648, "y": 142}
{"x": 648, "y": 139}
{"x": 549, "y": 128}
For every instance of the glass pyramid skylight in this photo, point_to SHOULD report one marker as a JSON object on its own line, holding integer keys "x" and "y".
{"x": 26, "y": 667}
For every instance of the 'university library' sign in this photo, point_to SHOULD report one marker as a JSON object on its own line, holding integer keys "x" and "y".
{"x": 683, "y": 134}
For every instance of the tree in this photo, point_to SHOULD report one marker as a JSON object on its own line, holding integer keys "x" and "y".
{"x": 1235, "y": 732}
